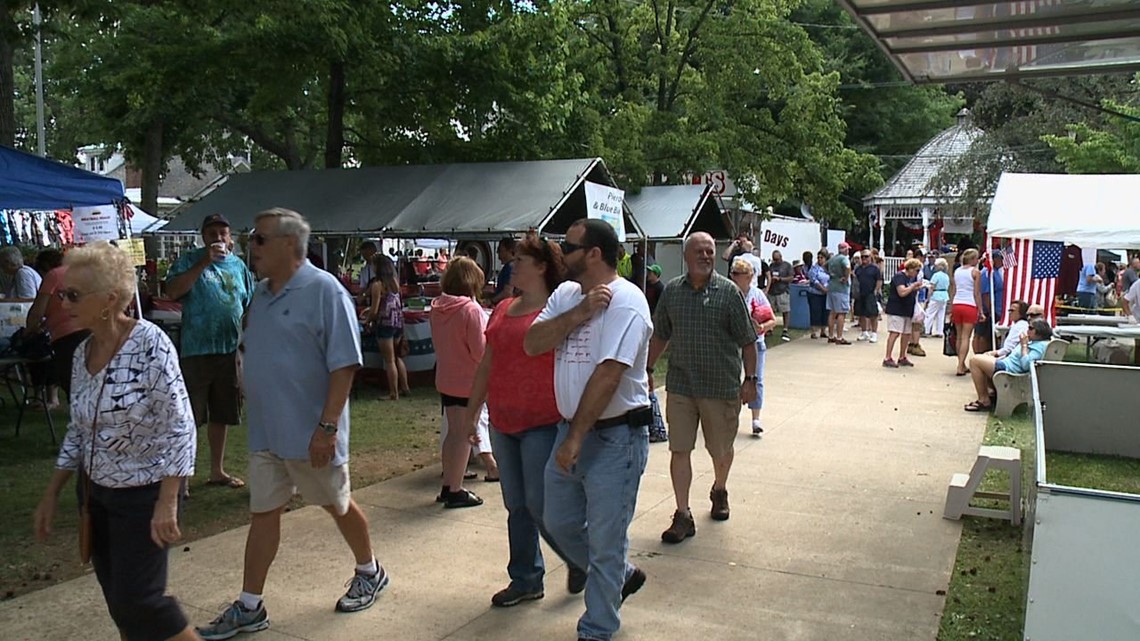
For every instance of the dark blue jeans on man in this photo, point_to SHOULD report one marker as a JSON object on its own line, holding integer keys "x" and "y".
{"x": 588, "y": 512}
{"x": 522, "y": 459}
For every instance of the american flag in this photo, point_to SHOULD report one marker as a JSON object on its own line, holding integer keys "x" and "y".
{"x": 1009, "y": 256}
{"x": 1033, "y": 277}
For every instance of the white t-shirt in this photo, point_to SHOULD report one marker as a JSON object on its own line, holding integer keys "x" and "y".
{"x": 1133, "y": 298}
{"x": 757, "y": 266}
{"x": 620, "y": 333}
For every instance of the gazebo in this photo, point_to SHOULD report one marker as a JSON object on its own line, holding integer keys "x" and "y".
{"x": 909, "y": 197}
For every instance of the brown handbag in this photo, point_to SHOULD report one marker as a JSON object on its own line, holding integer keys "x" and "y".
{"x": 85, "y": 525}
{"x": 402, "y": 347}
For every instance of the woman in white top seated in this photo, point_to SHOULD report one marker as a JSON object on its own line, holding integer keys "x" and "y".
{"x": 1018, "y": 325}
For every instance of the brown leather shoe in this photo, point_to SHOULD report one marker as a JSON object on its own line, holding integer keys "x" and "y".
{"x": 682, "y": 528}
{"x": 915, "y": 350}
{"x": 719, "y": 504}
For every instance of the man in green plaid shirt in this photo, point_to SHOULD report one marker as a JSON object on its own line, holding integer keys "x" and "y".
{"x": 702, "y": 318}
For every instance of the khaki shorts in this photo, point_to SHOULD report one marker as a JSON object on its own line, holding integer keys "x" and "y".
{"x": 212, "y": 382}
{"x": 273, "y": 481}
{"x": 719, "y": 421}
{"x": 899, "y": 324}
{"x": 781, "y": 303}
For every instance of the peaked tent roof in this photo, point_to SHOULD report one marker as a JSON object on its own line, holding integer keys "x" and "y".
{"x": 1086, "y": 210}
{"x": 674, "y": 211}
{"x": 484, "y": 200}
{"x": 910, "y": 186}
{"x": 30, "y": 182}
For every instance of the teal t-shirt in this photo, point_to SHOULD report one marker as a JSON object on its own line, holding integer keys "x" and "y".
{"x": 837, "y": 267}
{"x": 212, "y": 310}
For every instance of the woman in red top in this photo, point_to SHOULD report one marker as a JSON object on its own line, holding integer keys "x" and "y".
{"x": 519, "y": 391}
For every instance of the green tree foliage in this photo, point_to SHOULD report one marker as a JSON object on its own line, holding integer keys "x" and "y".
{"x": 662, "y": 89}
{"x": 1115, "y": 149}
{"x": 1017, "y": 121}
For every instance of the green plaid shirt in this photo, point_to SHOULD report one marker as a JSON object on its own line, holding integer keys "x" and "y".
{"x": 706, "y": 329}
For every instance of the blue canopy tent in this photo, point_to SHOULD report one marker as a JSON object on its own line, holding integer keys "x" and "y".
{"x": 33, "y": 183}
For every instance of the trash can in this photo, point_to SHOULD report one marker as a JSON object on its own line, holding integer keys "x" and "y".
{"x": 800, "y": 317}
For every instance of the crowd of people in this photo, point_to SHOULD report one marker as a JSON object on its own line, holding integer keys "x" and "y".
{"x": 551, "y": 387}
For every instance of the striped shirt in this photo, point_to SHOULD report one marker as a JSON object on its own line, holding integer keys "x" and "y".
{"x": 705, "y": 328}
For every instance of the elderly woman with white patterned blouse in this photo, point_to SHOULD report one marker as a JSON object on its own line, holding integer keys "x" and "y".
{"x": 132, "y": 440}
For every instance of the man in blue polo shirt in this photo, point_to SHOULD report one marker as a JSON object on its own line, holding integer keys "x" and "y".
{"x": 214, "y": 287}
{"x": 302, "y": 349}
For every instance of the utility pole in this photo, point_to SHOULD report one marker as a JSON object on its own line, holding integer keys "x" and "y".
{"x": 41, "y": 137}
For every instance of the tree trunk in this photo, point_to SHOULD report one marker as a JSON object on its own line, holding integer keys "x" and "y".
{"x": 152, "y": 167}
{"x": 334, "y": 140}
{"x": 7, "y": 74}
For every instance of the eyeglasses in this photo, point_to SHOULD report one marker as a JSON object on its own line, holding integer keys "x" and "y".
{"x": 569, "y": 247}
{"x": 739, "y": 274}
{"x": 70, "y": 295}
{"x": 260, "y": 239}
{"x": 1035, "y": 315}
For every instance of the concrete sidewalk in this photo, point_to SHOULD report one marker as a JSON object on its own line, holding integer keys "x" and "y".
{"x": 836, "y": 533}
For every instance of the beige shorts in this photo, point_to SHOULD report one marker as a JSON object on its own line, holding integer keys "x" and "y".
{"x": 719, "y": 421}
{"x": 273, "y": 481}
{"x": 899, "y": 324}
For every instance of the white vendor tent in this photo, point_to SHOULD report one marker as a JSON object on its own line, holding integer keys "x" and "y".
{"x": 1086, "y": 210}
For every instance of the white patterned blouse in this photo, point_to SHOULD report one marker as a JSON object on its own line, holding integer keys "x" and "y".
{"x": 146, "y": 429}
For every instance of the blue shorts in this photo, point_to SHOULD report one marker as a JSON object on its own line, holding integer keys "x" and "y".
{"x": 384, "y": 333}
{"x": 999, "y": 366}
{"x": 839, "y": 302}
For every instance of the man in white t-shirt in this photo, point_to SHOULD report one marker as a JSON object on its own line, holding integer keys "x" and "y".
{"x": 1131, "y": 301}
{"x": 742, "y": 248}
{"x": 601, "y": 385}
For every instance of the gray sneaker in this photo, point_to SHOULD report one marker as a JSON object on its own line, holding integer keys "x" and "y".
{"x": 362, "y": 591}
{"x": 235, "y": 619}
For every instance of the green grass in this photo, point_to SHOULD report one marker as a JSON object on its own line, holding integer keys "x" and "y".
{"x": 388, "y": 439}
{"x": 1097, "y": 472}
{"x": 986, "y": 599}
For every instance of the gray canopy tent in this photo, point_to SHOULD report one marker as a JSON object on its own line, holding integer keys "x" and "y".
{"x": 470, "y": 201}
{"x": 670, "y": 213}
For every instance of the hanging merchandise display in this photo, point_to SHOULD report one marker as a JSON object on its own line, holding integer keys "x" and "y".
{"x": 36, "y": 228}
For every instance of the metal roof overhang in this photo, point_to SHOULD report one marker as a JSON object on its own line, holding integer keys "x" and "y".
{"x": 934, "y": 41}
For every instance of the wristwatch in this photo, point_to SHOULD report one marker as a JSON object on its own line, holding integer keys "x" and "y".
{"x": 327, "y": 428}
{"x": 751, "y": 378}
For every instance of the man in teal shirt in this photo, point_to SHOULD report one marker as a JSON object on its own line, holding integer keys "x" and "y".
{"x": 214, "y": 287}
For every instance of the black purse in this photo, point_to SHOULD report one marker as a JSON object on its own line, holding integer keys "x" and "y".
{"x": 950, "y": 342}
{"x": 33, "y": 347}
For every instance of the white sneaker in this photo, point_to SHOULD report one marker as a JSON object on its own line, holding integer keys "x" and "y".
{"x": 863, "y": 336}
{"x": 757, "y": 430}
{"x": 874, "y": 338}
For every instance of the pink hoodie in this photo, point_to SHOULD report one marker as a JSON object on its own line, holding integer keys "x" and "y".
{"x": 457, "y": 326}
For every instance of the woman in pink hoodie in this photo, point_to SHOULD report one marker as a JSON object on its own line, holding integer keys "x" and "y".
{"x": 457, "y": 332}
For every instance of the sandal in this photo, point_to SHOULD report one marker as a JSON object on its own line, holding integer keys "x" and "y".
{"x": 462, "y": 498}
{"x": 231, "y": 482}
{"x": 842, "y": 341}
{"x": 490, "y": 479}
{"x": 975, "y": 406}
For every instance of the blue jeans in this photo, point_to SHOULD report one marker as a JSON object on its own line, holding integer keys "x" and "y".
{"x": 522, "y": 461}
{"x": 588, "y": 512}
{"x": 1086, "y": 299}
{"x": 761, "y": 354}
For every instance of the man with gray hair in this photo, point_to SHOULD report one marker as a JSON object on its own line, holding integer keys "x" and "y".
{"x": 702, "y": 319}
{"x": 20, "y": 281}
{"x": 302, "y": 349}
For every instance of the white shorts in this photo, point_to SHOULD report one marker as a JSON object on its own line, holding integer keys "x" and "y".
{"x": 273, "y": 481}
{"x": 899, "y": 324}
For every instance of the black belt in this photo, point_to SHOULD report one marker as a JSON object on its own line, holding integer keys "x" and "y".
{"x": 639, "y": 417}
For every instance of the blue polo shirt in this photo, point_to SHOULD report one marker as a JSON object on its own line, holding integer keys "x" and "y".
{"x": 293, "y": 341}
{"x": 212, "y": 309}
{"x": 1083, "y": 284}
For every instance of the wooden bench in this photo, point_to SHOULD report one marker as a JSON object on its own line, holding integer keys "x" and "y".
{"x": 964, "y": 487}
{"x": 1014, "y": 390}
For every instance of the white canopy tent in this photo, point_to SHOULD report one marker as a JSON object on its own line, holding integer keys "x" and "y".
{"x": 1087, "y": 210}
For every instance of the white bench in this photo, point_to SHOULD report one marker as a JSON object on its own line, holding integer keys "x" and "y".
{"x": 1014, "y": 390}
{"x": 964, "y": 487}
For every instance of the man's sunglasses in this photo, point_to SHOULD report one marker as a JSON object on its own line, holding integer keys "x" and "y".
{"x": 569, "y": 247}
{"x": 739, "y": 274}
{"x": 260, "y": 239}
